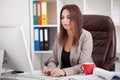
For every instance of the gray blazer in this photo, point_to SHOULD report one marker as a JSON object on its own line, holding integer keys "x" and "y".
{"x": 78, "y": 55}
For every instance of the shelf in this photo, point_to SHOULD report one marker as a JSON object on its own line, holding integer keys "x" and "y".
{"x": 54, "y": 25}
{"x": 51, "y": 25}
{"x": 43, "y": 52}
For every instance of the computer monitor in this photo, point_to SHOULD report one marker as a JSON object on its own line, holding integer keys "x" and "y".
{"x": 17, "y": 55}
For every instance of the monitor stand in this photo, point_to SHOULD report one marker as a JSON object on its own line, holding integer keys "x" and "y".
{"x": 1, "y": 60}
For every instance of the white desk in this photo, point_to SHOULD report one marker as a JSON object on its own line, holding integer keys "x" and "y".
{"x": 96, "y": 73}
{"x": 37, "y": 75}
{"x": 44, "y": 77}
{"x": 75, "y": 77}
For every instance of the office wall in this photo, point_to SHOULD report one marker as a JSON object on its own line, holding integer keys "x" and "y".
{"x": 117, "y": 28}
{"x": 15, "y": 12}
{"x": 107, "y": 8}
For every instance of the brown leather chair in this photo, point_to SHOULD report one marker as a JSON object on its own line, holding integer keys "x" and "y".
{"x": 104, "y": 40}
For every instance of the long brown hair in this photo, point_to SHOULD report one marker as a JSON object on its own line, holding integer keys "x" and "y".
{"x": 77, "y": 18}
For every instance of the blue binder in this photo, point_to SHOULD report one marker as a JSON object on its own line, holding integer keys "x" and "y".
{"x": 36, "y": 39}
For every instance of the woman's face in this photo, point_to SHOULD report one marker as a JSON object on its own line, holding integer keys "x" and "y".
{"x": 65, "y": 19}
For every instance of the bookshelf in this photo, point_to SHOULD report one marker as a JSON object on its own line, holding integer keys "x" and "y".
{"x": 51, "y": 25}
{"x": 97, "y": 7}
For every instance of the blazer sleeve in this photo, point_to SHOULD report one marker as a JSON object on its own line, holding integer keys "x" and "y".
{"x": 52, "y": 62}
{"x": 84, "y": 54}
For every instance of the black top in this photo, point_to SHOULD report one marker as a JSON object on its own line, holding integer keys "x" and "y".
{"x": 65, "y": 57}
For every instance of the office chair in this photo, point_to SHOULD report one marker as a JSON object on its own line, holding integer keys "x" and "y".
{"x": 104, "y": 40}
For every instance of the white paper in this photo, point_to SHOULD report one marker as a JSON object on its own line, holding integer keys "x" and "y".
{"x": 105, "y": 73}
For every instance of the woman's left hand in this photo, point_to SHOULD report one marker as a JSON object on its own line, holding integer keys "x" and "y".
{"x": 57, "y": 72}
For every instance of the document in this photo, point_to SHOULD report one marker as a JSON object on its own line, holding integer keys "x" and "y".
{"x": 82, "y": 77}
{"x": 108, "y": 75}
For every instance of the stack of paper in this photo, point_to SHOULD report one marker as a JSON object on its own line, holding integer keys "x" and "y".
{"x": 108, "y": 75}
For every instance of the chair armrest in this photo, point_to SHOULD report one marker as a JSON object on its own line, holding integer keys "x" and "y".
{"x": 109, "y": 63}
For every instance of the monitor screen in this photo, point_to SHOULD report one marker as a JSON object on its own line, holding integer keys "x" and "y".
{"x": 17, "y": 55}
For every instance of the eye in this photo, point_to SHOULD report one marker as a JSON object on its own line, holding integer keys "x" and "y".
{"x": 62, "y": 17}
{"x": 68, "y": 17}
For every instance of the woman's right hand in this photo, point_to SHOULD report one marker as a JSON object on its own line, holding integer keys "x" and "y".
{"x": 47, "y": 71}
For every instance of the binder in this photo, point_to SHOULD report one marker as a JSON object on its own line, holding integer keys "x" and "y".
{"x": 39, "y": 12}
{"x": 34, "y": 13}
{"x": 44, "y": 12}
{"x": 46, "y": 39}
{"x": 36, "y": 39}
{"x": 41, "y": 39}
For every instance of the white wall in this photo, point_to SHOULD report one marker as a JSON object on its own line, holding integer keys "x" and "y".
{"x": 15, "y": 12}
{"x": 79, "y": 3}
{"x": 117, "y": 28}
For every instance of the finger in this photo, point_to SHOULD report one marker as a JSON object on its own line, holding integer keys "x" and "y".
{"x": 43, "y": 71}
{"x": 46, "y": 71}
{"x": 59, "y": 73}
{"x": 56, "y": 73}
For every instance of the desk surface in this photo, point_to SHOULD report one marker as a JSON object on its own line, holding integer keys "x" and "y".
{"x": 37, "y": 75}
{"x": 43, "y": 77}
{"x": 90, "y": 77}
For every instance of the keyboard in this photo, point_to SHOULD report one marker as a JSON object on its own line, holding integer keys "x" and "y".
{"x": 8, "y": 79}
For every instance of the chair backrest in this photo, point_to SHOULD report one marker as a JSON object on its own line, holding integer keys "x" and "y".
{"x": 104, "y": 39}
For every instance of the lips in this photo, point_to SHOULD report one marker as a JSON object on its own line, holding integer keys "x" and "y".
{"x": 65, "y": 24}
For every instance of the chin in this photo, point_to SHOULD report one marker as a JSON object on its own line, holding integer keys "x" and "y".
{"x": 66, "y": 28}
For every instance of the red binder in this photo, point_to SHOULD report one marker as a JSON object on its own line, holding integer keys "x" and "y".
{"x": 39, "y": 13}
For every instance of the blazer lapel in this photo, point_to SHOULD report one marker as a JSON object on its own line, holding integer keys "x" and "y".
{"x": 72, "y": 55}
{"x": 59, "y": 54}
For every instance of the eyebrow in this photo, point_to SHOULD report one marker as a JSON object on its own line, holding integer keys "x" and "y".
{"x": 63, "y": 15}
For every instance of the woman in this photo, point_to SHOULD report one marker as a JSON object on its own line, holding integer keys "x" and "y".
{"x": 73, "y": 45}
